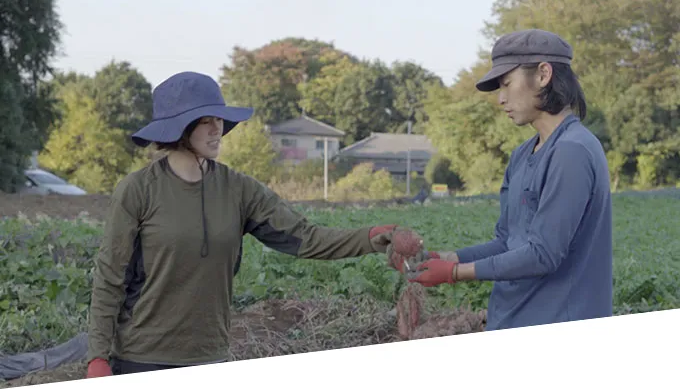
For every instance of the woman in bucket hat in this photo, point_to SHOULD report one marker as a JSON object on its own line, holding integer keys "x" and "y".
{"x": 163, "y": 279}
{"x": 551, "y": 257}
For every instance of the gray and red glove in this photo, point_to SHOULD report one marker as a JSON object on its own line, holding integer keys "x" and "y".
{"x": 434, "y": 272}
{"x": 437, "y": 270}
{"x": 402, "y": 239}
{"x": 98, "y": 367}
{"x": 381, "y": 236}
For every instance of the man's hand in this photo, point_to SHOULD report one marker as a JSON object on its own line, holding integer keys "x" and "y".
{"x": 400, "y": 262}
{"x": 450, "y": 256}
{"x": 435, "y": 272}
{"x": 98, "y": 367}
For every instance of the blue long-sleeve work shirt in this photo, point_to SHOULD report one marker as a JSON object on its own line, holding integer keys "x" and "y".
{"x": 551, "y": 258}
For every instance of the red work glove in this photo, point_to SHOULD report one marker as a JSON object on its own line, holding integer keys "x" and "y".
{"x": 98, "y": 367}
{"x": 380, "y": 237}
{"x": 435, "y": 272}
{"x": 396, "y": 260}
{"x": 433, "y": 255}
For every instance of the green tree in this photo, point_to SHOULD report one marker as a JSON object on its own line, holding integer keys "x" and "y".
{"x": 593, "y": 28}
{"x": 627, "y": 57}
{"x": 308, "y": 169}
{"x": 644, "y": 122}
{"x": 438, "y": 171}
{"x": 61, "y": 80}
{"x": 82, "y": 147}
{"x": 410, "y": 86}
{"x": 361, "y": 100}
{"x": 471, "y": 131}
{"x": 29, "y": 35}
{"x": 267, "y": 78}
{"x": 13, "y": 138}
{"x": 318, "y": 93}
{"x": 123, "y": 96}
{"x": 362, "y": 183}
{"x": 656, "y": 163}
{"x": 616, "y": 162}
{"x": 317, "y": 53}
{"x": 628, "y": 69}
{"x": 123, "y": 99}
{"x": 248, "y": 149}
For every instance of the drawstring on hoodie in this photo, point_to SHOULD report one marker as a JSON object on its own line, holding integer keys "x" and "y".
{"x": 205, "y": 240}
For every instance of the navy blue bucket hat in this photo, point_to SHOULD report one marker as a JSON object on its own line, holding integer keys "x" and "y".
{"x": 182, "y": 99}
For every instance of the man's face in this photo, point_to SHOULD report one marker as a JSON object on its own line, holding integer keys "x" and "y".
{"x": 518, "y": 91}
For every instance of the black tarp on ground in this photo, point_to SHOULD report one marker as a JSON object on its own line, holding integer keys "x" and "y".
{"x": 19, "y": 365}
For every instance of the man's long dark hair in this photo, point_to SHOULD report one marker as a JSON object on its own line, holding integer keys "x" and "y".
{"x": 564, "y": 89}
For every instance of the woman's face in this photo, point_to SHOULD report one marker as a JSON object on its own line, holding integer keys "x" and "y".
{"x": 206, "y": 138}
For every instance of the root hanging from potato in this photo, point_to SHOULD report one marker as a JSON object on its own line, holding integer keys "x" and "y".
{"x": 406, "y": 253}
{"x": 410, "y": 309}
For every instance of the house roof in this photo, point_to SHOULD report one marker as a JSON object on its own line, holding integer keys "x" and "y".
{"x": 305, "y": 125}
{"x": 390, "y": 146}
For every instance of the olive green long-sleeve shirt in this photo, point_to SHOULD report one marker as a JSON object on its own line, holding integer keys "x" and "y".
{"x": 155, "y": 299}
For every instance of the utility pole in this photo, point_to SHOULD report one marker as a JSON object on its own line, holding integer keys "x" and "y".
{"x": 408, "y": 161}
{"x": 409, "y": 123}
{"x": 325, "y": 169}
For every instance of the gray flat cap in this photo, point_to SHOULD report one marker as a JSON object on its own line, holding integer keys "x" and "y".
{"x": 520, "y": 47}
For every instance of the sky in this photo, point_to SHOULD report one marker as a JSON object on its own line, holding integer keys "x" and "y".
{"x": 163, "y": 37}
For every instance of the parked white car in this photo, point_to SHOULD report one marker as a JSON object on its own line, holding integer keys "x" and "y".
{"x": 41, "y": 182}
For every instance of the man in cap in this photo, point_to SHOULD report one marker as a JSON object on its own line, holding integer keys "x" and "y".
{"x": 551, "y": 256}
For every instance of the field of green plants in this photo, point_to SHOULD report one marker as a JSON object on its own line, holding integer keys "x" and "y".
{"x": 45, "y": 264}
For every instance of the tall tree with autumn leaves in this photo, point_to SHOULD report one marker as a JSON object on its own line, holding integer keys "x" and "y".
{"x": 287, "y": 78}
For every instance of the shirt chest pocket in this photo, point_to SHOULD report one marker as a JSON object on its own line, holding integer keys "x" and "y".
{"x": 530, "y": 204}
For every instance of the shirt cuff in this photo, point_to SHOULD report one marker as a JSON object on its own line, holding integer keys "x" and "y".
{"x": 464, "y": 256}
{"x": 484, "y": 269}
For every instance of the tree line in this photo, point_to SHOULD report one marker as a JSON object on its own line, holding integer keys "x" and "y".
{"x": 626, "y": 55}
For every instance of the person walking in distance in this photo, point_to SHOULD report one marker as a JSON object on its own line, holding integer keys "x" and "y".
{"x": 551, "y": 257}
{"x": 163, "y": 278}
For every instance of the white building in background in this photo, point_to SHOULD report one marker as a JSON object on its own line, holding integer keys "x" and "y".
{"x": 304, "y": 138}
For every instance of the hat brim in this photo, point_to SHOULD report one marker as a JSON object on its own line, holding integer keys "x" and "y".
{"x": 170, "y": 130}
{"x": 490, "y": 82}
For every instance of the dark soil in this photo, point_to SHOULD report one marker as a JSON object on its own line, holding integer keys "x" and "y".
{"x": 282, "y": 327}
{"x": 57, "y": 206}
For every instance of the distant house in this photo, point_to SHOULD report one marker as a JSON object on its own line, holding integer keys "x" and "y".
{"x": 389, "y": 151}
{"x": 303, "y": 138}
